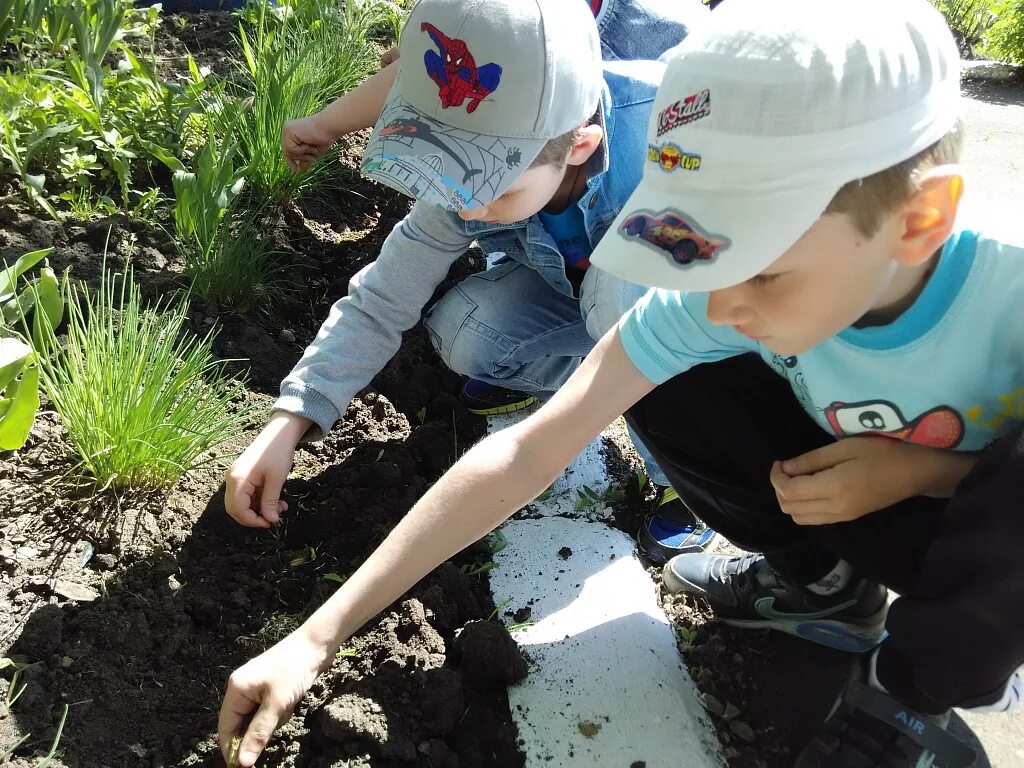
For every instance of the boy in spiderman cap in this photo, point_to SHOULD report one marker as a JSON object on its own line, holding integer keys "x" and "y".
{"x": 827, "y": 299}
{"x": 530, "y": 155}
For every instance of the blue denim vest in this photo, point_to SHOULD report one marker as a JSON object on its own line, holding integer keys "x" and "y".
{"x": 644, "y": 29}
{"x": 613, "y": 173}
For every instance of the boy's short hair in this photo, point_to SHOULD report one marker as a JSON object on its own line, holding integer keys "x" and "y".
{"x": 869, "y": 200}
{"x": 556, "y": 151}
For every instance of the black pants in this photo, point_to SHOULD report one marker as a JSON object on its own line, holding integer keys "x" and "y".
{"x": 956, "y": 634}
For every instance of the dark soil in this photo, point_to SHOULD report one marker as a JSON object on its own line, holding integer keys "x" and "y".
{"x": 132, "y": 611}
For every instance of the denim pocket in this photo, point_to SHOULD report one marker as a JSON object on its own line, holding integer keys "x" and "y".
{"x": 445, "y": 319}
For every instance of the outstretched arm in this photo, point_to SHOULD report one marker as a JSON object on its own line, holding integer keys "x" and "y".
{"x": 304, "y": 139}
{"x": 494, "y": 479}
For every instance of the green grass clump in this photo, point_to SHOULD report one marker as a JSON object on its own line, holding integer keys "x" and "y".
{"x": 241, "y": 270}
{"x": 142, "y": 399}
{"x": 296, "y": 58}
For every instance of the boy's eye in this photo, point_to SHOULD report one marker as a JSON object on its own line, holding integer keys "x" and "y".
{"x": 762, "y": 280}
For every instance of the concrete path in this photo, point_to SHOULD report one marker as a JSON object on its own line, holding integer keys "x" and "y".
{"x": 607, "y": 686}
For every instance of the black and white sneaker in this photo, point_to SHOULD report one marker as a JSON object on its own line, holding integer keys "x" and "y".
{"x": 868, "y": 728}
{"x": 745, "y": 591}
{"x": 485, "y": 399}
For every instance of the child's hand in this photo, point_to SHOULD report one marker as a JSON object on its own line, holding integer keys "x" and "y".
{"x": 856, "y": 476}
{"x": 390, "y": 56}
{"x": 271, "y": 685}
{"x": 252, "y": 493}
{"x": 304, "y": 140}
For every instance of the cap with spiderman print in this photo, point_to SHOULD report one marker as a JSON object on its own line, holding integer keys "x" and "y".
{"x": 483, "y": 85}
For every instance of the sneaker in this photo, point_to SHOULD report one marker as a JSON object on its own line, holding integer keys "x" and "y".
{"x": 672, "y": 529}
{"x": 746, "y": 592}
{"x": 485, "y": 399}
{"x": 868, "y": 728}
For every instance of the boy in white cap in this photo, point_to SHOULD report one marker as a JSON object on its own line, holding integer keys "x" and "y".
{"x": 840, "y": 385}
{"x": 506, "y": 128}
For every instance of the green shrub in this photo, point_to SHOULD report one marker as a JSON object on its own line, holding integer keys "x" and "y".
{"x": 968, "y": 20}
{"x": 39, "y": 299}
{"x": 142, "y": 399}
{"x": 203, "y": 195}
{"x": 1005, "y": 38}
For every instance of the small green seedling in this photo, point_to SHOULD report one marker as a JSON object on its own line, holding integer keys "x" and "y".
{"x": 335, "y": 577}
{"x": 641, "y": 480}
{"x": 6, "y": 754}
{"x": 479, "y": 569}
{"x": 299, "y": 557}
{"x": 496, "y": 541}
{"x": 498, "y": 608}
{"x": 520, "y": 626}
{"x": 56, "y": 741}
{"x": 687, "y": 634}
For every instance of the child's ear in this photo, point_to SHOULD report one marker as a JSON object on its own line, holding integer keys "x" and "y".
{"x": 927, "y": 220}
{"x": 590, "y": 140}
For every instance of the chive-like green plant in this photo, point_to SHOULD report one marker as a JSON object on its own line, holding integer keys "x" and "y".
{"x": 296, "y": 58}
{"x": 143, "y": 399}
{"x": 242, "y": 270}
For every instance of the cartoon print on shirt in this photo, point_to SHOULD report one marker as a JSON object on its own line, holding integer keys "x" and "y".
{"x": 455, "y": 72}
{"x": 940, "y": 427}
{"x": 787, "y": 368}
{"x": 1011, "y": 406}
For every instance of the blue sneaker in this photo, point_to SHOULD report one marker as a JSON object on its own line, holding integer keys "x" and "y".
{"x": 672, "y": 530}
{"x": 485, "y": 399}
{"x": 745, "y": 591}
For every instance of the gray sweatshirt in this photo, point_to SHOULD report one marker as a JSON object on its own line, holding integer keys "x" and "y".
{"x": 364, "y": 329}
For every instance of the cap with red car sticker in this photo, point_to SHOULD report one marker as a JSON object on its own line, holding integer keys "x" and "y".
{"x": 765, "y": 111}
{"x": 673, "y": 233}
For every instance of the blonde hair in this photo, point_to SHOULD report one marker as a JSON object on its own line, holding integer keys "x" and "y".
{"x": 869, "y": 200}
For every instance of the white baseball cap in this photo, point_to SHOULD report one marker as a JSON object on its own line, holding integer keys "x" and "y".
{"x": 483, "y": 85}
{"x": 763, "y": 114}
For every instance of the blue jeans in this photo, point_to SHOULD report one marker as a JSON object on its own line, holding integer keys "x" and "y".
{"x": 508, "y": 327}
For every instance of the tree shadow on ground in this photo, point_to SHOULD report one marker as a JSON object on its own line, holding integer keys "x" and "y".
{"x": 1000, "y": 94}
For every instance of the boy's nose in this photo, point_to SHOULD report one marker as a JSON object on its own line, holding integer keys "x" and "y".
{"x": 727, "y": 307}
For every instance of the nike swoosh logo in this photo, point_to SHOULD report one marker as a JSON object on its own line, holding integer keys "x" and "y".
{"x": 765, "y": 606}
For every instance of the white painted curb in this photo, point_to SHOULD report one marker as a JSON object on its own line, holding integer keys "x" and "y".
{"x": 607, "y": 686}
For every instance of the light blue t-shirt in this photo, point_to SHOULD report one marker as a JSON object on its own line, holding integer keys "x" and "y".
{"x": 947, "y": 373}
